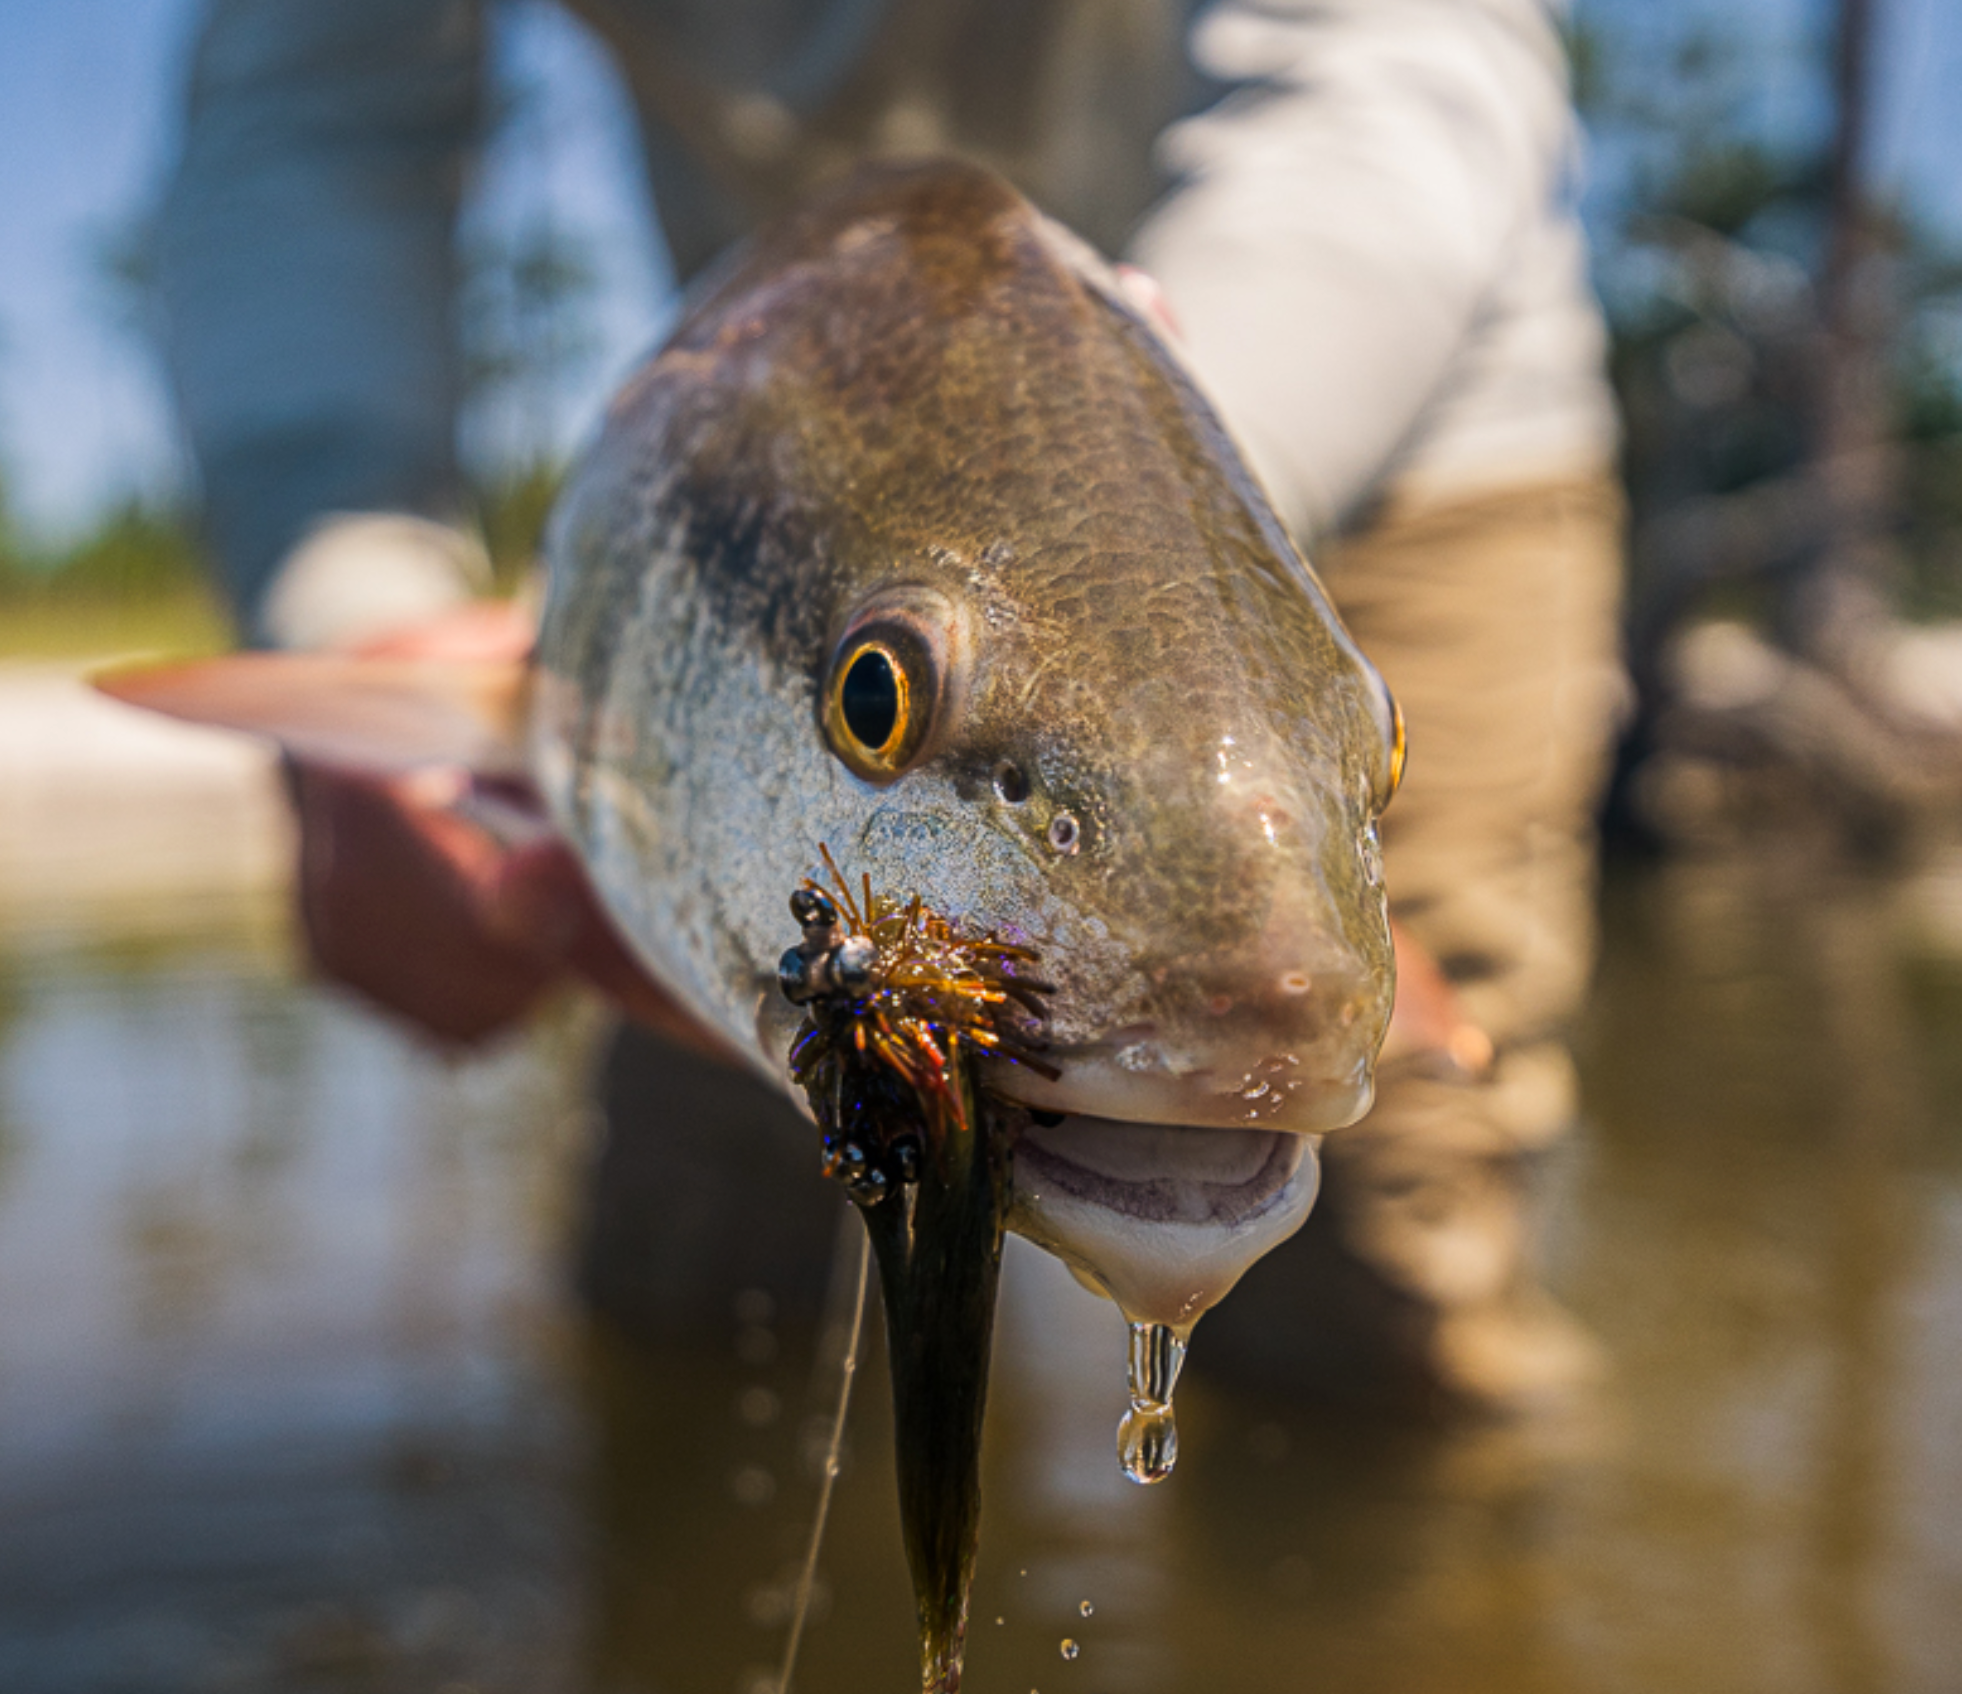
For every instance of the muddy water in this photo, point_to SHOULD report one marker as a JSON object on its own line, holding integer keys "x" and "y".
{"x": 291, "y": 1396}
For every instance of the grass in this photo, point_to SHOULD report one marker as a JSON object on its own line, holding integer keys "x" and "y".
{"x": 189, "y": 621}
{"x": 135, "y": 581}
{"x": 139, "y": 581}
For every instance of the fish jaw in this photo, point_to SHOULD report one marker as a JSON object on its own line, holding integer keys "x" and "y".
{"x": 1162, "y": 1219}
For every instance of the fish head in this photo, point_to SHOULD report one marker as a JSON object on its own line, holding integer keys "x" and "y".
{"x": 917, "y": 542}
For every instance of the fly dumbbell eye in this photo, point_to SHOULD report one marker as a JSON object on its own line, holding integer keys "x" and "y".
{"x": 887, "y": 690}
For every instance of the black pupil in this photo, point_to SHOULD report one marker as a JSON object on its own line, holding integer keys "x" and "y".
{"x": 870, "y": 699}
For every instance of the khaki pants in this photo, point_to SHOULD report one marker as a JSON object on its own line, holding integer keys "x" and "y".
{"x": 1495, "y": 622}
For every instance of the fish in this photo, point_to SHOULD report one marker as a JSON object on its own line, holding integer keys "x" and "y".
{"x": 917, "y": 539}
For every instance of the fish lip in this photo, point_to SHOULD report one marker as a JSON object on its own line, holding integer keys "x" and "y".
{"x": 1091, "y": 1081}
{"x": 1222, "y": 1198}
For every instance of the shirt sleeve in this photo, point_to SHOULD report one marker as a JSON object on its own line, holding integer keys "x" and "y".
{"x": 306, "y": 265}
{"x": 1342, "y": 216}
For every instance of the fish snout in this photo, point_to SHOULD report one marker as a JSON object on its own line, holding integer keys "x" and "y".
{"x": 1279, "y": 1033}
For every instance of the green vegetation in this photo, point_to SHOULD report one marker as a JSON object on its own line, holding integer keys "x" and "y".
{"x": 1771, "y": 308}
{"x": 510, "y": 514}
{"x": 139, "y": 580}
{"x": 134, "y": 580}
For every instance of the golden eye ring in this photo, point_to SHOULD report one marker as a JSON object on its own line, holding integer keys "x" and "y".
{"x": 891, "y": 691}
{"x": 872, "y": 702}
{"x": 879, "y": 702}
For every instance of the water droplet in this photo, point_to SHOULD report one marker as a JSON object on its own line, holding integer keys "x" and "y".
{"x": 753, "y": 1486}
{"x": 1148, "y": 1437}
{"x": 1147, "y": 1445}
{"x": 758, "y": 1407}
{"x": 1087, "y": 1609}
{"x": 1070, "y": 1648}
{"x": 755, "y": 1345}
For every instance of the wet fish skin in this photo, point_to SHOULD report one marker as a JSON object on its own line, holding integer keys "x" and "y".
{"x": 919, "y": 392}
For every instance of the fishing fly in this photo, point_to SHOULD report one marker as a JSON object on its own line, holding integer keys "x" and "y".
{"x": 899, "y": 1001}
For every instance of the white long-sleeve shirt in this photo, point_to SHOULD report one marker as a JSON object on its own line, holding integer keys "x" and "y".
{"x": 1374, "y": 254}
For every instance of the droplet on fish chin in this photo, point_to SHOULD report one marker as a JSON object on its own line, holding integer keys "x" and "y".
{"x": 1148, "y": 1434}
{"x": 1137, "y": 1056}
{"x": 1070, "y": 1648}
{"x": 1087, "y": 1609}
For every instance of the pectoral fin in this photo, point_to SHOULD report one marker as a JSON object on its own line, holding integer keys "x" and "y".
{"x": 384, "y": 716}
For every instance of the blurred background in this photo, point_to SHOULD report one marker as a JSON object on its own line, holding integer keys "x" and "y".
{"x": 291, "y": 1391}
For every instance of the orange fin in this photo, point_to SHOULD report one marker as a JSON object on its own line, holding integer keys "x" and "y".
{"x": 1428, "y": 1028}
{"x": 384, "y": 716}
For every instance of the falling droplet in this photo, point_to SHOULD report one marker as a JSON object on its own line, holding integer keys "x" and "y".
{"x": 1070, "y": 1648}
{"x": 1148, "y": 1438}
{"x": 1087, "y": 1609}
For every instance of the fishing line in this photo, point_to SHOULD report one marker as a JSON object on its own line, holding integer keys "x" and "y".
{"x": 847, "y": 1369}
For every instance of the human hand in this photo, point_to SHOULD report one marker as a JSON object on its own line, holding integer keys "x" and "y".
{"x": 447, "y": 898}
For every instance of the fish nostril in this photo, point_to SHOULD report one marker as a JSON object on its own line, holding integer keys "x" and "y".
{"x": 1011, "y": 782}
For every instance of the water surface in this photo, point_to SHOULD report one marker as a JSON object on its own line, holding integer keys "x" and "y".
{"x": 292, "y": 1394}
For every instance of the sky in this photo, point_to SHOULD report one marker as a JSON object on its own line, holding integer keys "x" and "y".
{"x": 89, "y": 121}
{"x": 89, "y": 91}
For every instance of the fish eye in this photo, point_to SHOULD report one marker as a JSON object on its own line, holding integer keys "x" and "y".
{"x": 1389, "y": 722}
{"x": 1397, "y": 746}
{"x": 886, "y": 691}
{"x": 872, "y": 699}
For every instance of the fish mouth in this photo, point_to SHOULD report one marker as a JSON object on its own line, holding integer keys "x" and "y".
{"x": 1159, "y": 1169}
{"x": 1163, "y": 1218}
